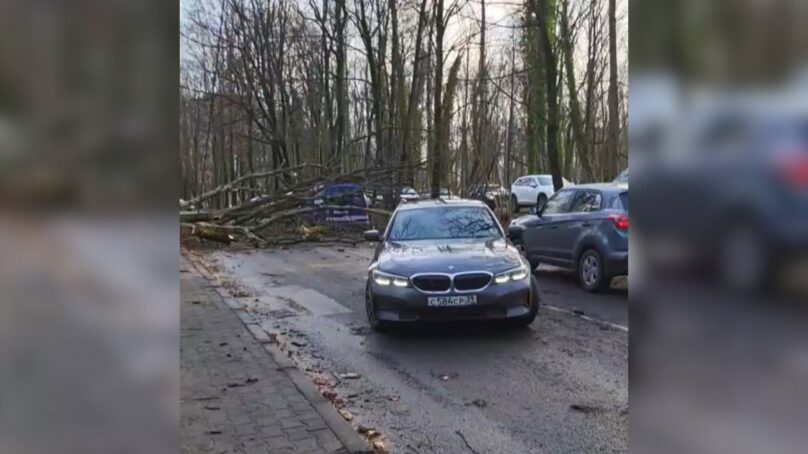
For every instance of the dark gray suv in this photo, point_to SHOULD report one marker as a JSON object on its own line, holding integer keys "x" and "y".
{"x": 583, "y": 228}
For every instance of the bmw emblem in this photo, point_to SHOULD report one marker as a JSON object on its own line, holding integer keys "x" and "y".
{"x": 451, "y": 268}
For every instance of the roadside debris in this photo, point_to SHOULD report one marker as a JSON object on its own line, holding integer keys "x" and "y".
{"x": 349, "y": 376}
{"x": 586, "y": 409}
{"x": 345, "y": 414}
{"x": 479, "y": 403}
{"x": 463, "y": 437}
{"x": 445, "y": 376}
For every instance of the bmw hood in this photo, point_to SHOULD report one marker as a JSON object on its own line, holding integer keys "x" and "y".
{"x": 448, "y": 256}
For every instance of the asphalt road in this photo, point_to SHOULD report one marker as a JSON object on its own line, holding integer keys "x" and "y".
{"x": 559, "y": 386}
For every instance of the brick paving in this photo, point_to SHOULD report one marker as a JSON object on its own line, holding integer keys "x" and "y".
{"x": 236, "y": 398}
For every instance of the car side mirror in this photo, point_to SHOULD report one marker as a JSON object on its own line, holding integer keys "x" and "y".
{"x": 373, "y": 236}
{"x": 538, "y": 208}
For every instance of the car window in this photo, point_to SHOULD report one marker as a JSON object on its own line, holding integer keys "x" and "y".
{"x": 546, "y": 181}
{"x": 621, "y": 202}
{"x": 586, "y": 202}
{"x": 558, "y": 203}
{"x": 444, "y": 223}
{"x": 519, "y": 182}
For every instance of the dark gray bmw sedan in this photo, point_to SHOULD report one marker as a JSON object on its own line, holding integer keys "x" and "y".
{"x": 447, "y": 260}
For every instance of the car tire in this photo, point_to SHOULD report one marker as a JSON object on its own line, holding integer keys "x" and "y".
{"x": 370, "y": 311}
{"x": 744, "y": 260}
{"x": 514, "y": 204}
{"x": 526, "y": 320}
{"x": 591, "y": 273}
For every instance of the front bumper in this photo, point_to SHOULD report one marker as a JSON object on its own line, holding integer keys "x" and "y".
{"x": 497, "y": 301}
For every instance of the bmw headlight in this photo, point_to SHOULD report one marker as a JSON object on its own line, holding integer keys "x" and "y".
{"x": 386, "y": 279}
{"x": 513, "y": 275}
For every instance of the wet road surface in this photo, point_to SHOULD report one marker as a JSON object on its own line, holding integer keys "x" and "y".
{"x": 561, "y": 385}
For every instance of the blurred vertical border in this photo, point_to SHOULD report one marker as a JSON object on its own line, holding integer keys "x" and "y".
{"x": 89, "y": 249}
{"x": 718, "y": 144}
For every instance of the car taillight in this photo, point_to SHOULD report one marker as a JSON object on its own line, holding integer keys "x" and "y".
{"x": 793, "y": 169}
{"x": 620, "y": 221}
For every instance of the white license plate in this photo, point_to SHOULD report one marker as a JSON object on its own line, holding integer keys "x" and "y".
{"x": 464, "y": 300}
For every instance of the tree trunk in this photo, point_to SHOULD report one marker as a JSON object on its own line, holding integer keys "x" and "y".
{"x": 614, "y": 110}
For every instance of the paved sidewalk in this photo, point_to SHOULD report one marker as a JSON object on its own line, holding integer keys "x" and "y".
{"x": 238, "y": 394}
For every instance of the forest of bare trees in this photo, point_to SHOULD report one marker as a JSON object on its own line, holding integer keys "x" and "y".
{"x": 442, "y": 94}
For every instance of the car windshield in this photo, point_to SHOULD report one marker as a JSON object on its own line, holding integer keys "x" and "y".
{"x": 443, "y": 223}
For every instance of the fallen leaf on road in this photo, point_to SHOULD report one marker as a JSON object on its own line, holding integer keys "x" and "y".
{"x": 447, "y": 376}
{"x": 578, "y": 312}
{"x": 345, "y": 414}
{"x": 349, "y": 376}
{"x": 211, "y": 407}
{"x": 393, "y": 398}
{"x": 297, "y": 343}
{"x": 379, "y": 446}
{"x": 363, "y": 429}
{"x": 329, "y": 394}
{"x": 479, "y": 403}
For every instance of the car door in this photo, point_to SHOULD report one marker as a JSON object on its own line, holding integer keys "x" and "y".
{"x": 517, "y": 188}
{"x": 530, "y": 191}
{"x": 541, "y": 237}
{"x": 583, "y": 209}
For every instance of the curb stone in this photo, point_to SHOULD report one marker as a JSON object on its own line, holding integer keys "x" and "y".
{"x": 353, "y": 442}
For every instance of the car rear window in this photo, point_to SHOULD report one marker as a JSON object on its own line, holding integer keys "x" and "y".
{"x": 624, "y": 200}
{"x": 545, "y": 181}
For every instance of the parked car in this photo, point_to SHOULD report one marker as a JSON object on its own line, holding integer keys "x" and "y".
{"x": 492, "y": 195}
{"x": 444, "y": 193}
{"x": 447, "y": 260}
{"x": 736, "y": 194}
{"x": 583, "y": 228}
{"x": 408, "y": 194}
{"x": 531, "y": 190}
{"x": 622, "y": 177}
{"x": 345, "y": 194}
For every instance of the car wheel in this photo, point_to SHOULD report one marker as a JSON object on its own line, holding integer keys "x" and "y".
{"x": 541, "y": 199}
{"x": 514, "y": 204}
{"x": 743, "y": 260}
{"x": 370, "y": 311}
{"x": 591, "y": 273}
{"x": 527, "y": 319}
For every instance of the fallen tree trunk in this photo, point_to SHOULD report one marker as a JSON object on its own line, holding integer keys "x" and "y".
{"x": 195, "y": 216}
{"x": 299, "y": 211}
{"x": 237, "y": 182}
{"x": 221, "y": 233}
